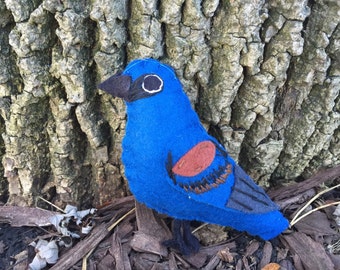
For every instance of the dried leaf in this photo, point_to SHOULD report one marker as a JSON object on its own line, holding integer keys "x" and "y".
{"x": 271, "y": 266}
{"x": 47, "y": 253}
{"x": 37, "y": 263}
{"x": 79, "y": 218}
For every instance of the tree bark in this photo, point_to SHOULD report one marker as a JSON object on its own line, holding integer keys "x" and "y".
{"x": 264, "y": 77}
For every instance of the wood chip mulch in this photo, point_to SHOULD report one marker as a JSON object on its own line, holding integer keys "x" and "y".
{"x": 127, "y": 235}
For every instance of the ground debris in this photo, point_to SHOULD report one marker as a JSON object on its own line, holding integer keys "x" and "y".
{"x": 46, "y": 253}
{"x": 267, "y": 254}
{"x": 19, "y": 216}
{"x": 316, "y": 224}
{"x": 312, "y": 254}
{"x": 281, "y": 194}
{"x": 152, "y": 231}
{"x": 271, "y": 266}
{"x": 127, "y": 235}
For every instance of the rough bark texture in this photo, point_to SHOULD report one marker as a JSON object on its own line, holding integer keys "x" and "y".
{"x": 264, "y": 77}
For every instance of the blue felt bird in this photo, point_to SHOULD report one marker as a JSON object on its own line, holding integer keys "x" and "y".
{"x": 175, "y": 167}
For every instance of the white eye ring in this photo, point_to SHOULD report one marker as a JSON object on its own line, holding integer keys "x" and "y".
{"x": 155, "y": 90}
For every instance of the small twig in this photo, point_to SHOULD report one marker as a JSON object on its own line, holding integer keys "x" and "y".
{"x": 296, "y": 217}
{"x": 121, "y": 219}
{"x": 84, "y": 264}
{"x": 46, "y": 201}
{"x": 199, "y": 227}
{"x": 311, "y": 211}
{"x": 77, "y": 252}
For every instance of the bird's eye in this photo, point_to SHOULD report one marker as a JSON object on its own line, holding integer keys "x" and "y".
{"x": 152, "y": 83}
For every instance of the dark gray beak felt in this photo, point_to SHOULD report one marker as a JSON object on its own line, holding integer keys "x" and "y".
{"x": 117, "y": 85}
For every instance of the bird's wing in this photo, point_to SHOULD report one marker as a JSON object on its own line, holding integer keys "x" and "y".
{"x": 247, "y": 196}
{"x": 201, "y": 169}
{"x": 207, "y": 170}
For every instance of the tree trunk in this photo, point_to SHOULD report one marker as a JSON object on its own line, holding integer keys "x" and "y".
{"x": 264, "y": 77}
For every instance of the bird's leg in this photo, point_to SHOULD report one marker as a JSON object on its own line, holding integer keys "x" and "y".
{"x": 183, "y": 240}
{"x": 190, "y": 239}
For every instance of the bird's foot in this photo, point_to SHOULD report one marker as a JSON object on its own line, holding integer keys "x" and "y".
{"x": 183, "y": 240}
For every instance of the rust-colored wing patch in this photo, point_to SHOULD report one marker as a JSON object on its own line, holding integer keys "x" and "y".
{"x": 196, "y": 159}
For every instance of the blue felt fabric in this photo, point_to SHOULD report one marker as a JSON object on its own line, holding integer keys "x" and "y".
{"x": 166, "y": 123}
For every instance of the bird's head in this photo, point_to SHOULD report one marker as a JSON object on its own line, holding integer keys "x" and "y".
{"x": 141, "y": 79}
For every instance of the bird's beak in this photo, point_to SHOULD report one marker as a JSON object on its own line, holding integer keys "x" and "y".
{"x": 117, "y": 85}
